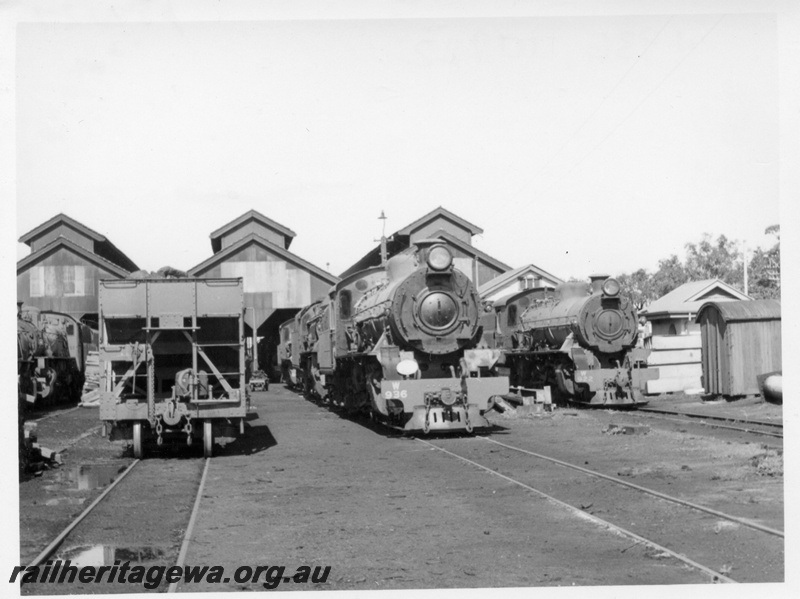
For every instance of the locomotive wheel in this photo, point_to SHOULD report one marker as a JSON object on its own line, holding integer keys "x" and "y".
{"x": 208, "y": 438}
{"x": 137, "y": 440}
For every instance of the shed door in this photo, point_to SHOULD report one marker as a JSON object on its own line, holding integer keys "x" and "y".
{"x": 712, "y": 379}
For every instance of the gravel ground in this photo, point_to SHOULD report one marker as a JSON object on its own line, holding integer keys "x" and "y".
{"x": 307, "y": 487}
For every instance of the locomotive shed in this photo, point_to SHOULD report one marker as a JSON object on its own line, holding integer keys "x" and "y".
{"x": 359, "y": 458}
{"x": 308, "y": 486}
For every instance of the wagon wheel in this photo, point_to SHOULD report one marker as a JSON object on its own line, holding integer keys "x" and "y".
{"x": 208, "y": 439}
{"x": 137, "y": 440}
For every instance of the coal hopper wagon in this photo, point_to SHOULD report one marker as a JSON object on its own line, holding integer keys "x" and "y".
{"x": 172, "y": 360}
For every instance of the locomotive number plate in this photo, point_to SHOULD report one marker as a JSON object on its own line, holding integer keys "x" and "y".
{"x": 395, "y": 392}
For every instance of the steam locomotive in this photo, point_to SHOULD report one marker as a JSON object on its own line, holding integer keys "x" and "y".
{"x": 581, "y": 339}
{"x": 51, "y": 355}
{"x": 400, "y": 343}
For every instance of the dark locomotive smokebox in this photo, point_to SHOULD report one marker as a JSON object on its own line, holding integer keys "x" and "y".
{"x": 626, "y": 429}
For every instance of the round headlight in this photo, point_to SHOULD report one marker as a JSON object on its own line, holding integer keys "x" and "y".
{"x": 439, "y": 258}
{"x": 611, "y": 287}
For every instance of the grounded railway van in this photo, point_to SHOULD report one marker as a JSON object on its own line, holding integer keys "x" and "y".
{"x": 172, "y": 359}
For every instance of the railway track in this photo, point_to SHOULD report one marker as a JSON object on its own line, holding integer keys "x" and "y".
{"x": 672, "y": 521}
{"x": 106, "y": 500}
{"x": 755, "y": 427}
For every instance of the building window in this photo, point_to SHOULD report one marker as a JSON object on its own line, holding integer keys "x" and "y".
{"x": 37, "y": 281}
{"x": 529, "y": 282}
{"x": 74, "y": 280}
{"x": 58, "y": 281}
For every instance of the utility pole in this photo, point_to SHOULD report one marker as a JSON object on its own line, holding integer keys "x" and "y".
{"x": 744, "y": 260}
{"x": 384, "y": 251}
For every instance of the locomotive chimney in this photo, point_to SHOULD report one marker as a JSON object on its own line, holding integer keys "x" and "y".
{"x": 597, "y": 280}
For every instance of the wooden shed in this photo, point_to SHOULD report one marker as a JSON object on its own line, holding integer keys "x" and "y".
{"x": 741, "y": 340}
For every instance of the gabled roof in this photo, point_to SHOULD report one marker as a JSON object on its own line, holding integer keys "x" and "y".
{"x": 216, "y": 236}
{"x": 63, "y": 242}
{"x": 499, "y": 281}
{"x": 103, "y": 247}
{"x": 220, "y": 257}
{"x": 56, "y": 220}
{"x": 401, "y": 240}
{"x": 439, "y": 212}
{"x": 689, "y": 297}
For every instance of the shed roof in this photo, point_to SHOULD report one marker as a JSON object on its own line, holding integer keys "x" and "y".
{"x": 103, "y": 247}
{"x": 744, "y": 310}
{"x": 57, "y": 219}
{"x": 439, "y": 212}
{"x": 220, "y": 257}
{"x": 62, "y": 242}
{"x": 216, "y": 236}
{"x": 495, "y": 284}
{"x": 689, "y": 297}
{"x": 401, "y": 241}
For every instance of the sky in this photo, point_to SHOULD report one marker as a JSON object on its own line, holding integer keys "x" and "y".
{"x": 579, "y": 142}
{"x": 581, "y": 136}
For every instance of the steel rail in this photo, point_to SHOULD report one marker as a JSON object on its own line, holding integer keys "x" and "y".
{"x": 712, "y": 417}
{"x": 47, "y": 551}
{"x": 683, "y": 502}
{"x": 715, "y": 576}
{"x": 54, "y": 414}
{"x": 80, "y": 437}
{"x": 658, "y": 415}
{"x": 190, "y": 527}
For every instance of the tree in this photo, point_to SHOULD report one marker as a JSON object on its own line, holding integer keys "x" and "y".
{"x": 670, "y": 274}
{"x": 765, "y": 269}
{"x": 637, "y": 286}
{"x": 707, "y": 259}
{"x": 719, "y": 259}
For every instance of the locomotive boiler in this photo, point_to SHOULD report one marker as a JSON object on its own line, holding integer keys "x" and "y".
{"x": 580, "y": 339}
{"x": 400, "y": 342}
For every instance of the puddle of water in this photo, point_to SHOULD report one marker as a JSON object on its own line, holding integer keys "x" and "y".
{"x": 106, "y": 555}
{"x": 94, "y": 476}
{"x": 86, "y": 477}
{"x": 66, "y": 501}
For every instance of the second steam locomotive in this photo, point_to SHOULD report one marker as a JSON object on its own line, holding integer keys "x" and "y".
{"x": 580, "y": 339}
{"x": 401, "y": 343}
{"x": 51, "y": 356}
